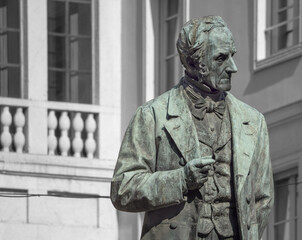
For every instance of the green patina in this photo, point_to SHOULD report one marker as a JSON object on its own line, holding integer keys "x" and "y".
{"x": 196, "y": 159}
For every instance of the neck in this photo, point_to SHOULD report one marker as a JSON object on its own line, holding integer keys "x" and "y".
{"x": 204, "y": 90}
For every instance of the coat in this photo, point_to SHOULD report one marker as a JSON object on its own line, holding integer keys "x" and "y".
{"x": 149, "y": 175}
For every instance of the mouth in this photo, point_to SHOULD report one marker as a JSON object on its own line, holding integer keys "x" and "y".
{"x": 224, "y": 81}
{"x": 225, "y": 84}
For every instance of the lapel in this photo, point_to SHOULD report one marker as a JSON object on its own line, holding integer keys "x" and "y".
{"x": 180, "y": 126}
{"x": 204, "y": 136}
{"x": 225, "y": 133}
{"x": 243, "y": 134}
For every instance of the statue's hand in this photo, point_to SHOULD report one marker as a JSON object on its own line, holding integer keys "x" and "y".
{"x": 196, "y": 172}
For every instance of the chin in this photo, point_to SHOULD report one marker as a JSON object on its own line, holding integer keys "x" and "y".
{"x": 225, "y": 88}
{"x": 224, "y": 85}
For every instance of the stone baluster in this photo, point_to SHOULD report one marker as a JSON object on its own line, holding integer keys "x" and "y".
{"x": 77, "y": 142}
{"x": 64, "y": 141}
{"x": 90, "y": 143}
{"x": 6, "y": 137}
{"x": 52, "y": 125}
{"x": 19, "y": 138}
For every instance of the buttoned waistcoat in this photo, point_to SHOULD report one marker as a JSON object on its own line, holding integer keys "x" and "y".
{"x": 217, "y": 208}
{"x": 160, "y": 139}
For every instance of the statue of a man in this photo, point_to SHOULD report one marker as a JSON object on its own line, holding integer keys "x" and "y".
{"x": 196, "y": 159}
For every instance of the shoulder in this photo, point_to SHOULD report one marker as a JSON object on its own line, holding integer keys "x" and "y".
{"x": 161, "y": 102}
{"x": 247, "y": 111}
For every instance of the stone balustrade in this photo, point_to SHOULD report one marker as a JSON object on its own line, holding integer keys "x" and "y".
{"x": 72, "y": 133}
{"x": 12, "y": 138}
{"x": 49, "y": 128}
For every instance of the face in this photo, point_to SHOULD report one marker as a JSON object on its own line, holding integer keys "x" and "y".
{"x": 219, "y": 59}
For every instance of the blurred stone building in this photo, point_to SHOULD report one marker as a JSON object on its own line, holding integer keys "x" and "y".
{"x": 72, "y": 73}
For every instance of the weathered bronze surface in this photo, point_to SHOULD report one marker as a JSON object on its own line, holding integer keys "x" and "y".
{"x": 196, "y": 159}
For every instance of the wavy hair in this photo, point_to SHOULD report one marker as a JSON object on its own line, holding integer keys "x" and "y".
{"x": 193, "y": 38}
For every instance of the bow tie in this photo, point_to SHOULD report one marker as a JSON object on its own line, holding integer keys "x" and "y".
{"x": 201, "y": 107}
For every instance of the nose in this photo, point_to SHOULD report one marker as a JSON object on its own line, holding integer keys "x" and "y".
{"x": 231, "y": 68}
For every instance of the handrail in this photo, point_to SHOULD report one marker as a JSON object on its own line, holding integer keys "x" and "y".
{"x": 79, "y": 107}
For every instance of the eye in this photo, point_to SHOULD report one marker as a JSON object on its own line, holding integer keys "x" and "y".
{"x": 221, "y": 58}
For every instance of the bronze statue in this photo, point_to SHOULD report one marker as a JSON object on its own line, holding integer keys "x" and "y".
{"x": 196, "y": 159}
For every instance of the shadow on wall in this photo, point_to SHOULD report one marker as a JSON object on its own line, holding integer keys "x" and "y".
{"x": 131, "y": 36}
{"x": 132, "y": 96}
{"x": 128, "y": 227}
{"x": 266, "y": 77}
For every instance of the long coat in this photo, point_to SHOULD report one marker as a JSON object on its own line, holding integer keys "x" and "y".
{"x": 160, "y": 139}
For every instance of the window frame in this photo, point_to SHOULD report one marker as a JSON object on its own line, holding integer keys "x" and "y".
{"x": 94, "y": 97}
{"x": 281, "y": 56}
{"x": 181, "y": 17}
{"x": 23, "y": 50}
{"x": 286, "y": 167}
{"x": 292, "y": 176}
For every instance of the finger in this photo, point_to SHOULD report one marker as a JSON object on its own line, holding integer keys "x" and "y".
{"x": 202, "y": 180}
{"x": 202, "y": 175}
{"x": 198, "y": 161}
{"x": 204, "y": 169}
{"x": 203, "y": 162}
{"x": 196, "y": 175}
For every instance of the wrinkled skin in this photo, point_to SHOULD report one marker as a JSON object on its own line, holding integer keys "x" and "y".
{"x": 219, "y": 60}
{"x": 216, "y": 66}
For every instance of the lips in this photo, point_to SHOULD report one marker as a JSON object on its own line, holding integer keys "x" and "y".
{"x": 225, "y": 81}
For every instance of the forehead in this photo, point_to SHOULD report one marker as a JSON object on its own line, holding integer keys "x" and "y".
{"x": 221, "y": 39}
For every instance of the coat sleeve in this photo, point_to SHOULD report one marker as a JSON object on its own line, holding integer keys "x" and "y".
{"x": 264, "y": 194}
{"x": 136, "y": 186}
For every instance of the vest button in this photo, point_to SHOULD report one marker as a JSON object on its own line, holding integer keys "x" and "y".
{"x": 173, "y": 225}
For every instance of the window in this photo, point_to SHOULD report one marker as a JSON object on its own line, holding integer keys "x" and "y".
{"x": 171, "y": 21}
{"x": 10, "y": 55}
{"x": 277, "y": 30}
{"x": 284, "y": 217}
{"x": 70, "y": 51}
{"x": 284, "y": 29}
{"x": 285, "y": 212}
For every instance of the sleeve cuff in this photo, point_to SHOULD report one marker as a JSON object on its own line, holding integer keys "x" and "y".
{"x": 183, "y": 182}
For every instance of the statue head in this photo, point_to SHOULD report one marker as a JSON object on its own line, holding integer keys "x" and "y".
{"x": 206, "y": 49}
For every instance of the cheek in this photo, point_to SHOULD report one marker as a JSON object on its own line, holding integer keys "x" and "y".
{"x": 220, "y": 69}
{"x": 217, "y": 70}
